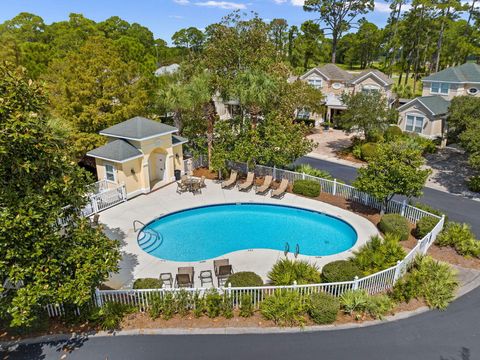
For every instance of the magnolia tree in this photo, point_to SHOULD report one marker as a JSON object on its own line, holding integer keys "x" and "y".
{"x": 40, "y": 184}
{"x": 394, "y": 169}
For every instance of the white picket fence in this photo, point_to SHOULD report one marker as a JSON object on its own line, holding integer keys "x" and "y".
{"x": 104, "y": 194}
{"x": 375, "y": 283}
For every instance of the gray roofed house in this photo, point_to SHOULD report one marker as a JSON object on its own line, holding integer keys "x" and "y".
{"x": 117, "y": 150}
{"x": 333, "y": 72}
{"x": 138, "y": 128}
{"x": 466, "y": 73}
{"x": 177, "y": 140}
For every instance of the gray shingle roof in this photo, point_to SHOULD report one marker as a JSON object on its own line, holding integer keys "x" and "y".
{"x": 468, "y": 72}
{"x": 176, "y": 139}
{"x": 333, "y": 72}
{"x": 435, "y": 103}
{"x": 377, "y": 73}
{"x": 138, "y": 128}
{"x": 117, "y": 151}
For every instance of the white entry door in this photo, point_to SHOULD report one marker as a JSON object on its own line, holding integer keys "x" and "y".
{"x": 160, "y": 166}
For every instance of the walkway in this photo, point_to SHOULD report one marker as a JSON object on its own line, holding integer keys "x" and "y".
{"x": 136, "y": 263}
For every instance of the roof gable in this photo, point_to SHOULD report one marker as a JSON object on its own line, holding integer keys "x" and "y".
{"x": 379, "y": 76}
{"x": 435, "y": 104}
{"x": 117, "y": 151}
{"x": 138, "y": 128}
{"x": 466, "y": 73}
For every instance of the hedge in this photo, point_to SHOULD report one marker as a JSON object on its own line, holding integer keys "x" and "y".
{"x": 340, "y": 270}
{"x": 393, "y": 132}
{"x": 368, "y": 150}
{"x": 147, "y": 283}
{"x": 424, "y": 226}
{"x": 244, "y": 279}
{"x": 323, "y": 308}
{"x": 308, "y": 188}
{"x": 395, "y": 224}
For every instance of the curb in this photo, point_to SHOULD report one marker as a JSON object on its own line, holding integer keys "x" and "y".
{"x": 4, "y": 345}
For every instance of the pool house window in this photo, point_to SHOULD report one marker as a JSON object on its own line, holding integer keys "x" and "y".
{"x": 439, "y": 88}
{"x": 110, "y": 172}
{"x": 414, "y": 123}
{"x": 316, "y": 83}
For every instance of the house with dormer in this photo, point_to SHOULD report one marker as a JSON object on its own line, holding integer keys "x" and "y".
{"x": 426, "y": 115}
{"x": 334, "y": 81}
{"x": 140, "y": 153}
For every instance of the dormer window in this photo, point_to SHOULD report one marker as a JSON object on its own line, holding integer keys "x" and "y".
{"x": 368, "y": 89}
{"x": 439, "y": 88}
{"x": 316, "y": 83}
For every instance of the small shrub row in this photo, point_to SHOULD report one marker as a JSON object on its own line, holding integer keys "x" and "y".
{"x": 424, "y": 226}
{"x": 358, "y": 303}
{"x": 244, "y": 279}
{"x": 340, "y": 270}
{"x": 309, "y": 170}
{"x": 308, "y": 188}
{"x": 395, "y": 224}
{"x": 377, "y": 254}
{"x": 285, "y": 272}
{"x": 147, "y": 283}
{"x": 431, "y": 280}
{"x": 461, "y": 238}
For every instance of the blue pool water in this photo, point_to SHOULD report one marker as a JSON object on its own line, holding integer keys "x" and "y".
{"x": 211, "y": 231}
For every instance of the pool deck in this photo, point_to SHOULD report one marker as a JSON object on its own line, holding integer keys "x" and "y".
{"x": 136, "y": 263}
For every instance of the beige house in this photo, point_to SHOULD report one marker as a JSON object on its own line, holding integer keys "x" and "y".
{"x": 334, "y": 81}
{"x": 427, "y": 114}
{"x": 141, "y": 153}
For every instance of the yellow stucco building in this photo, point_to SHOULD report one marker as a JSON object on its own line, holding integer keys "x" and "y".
{"x": 141, "y": 153}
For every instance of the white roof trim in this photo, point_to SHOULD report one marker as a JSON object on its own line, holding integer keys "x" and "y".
{"x": 116, "y": 161}
{"x": 405, "y": 106}
{"x": 451, "y": 82}
{"x": 367, "y": 74}
{"x": 311, "y": 71}
{"x": 137, "y": 139}
{"x": 180, "y": 143}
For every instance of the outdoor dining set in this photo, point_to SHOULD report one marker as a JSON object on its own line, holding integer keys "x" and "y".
{"x": 185, "y": 275}
{"x": 190, "y": 184}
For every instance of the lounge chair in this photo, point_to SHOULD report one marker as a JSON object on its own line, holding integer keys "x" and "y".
{"x": 262, "y": 189}
{"x": 184, "y": 277}
{"x": 280, "y": 191}
{"x": 223, "y": 270}
{"x": 167, "y": 279}
{"x": 230, "y": 182}
{"x": 248, "y": 183}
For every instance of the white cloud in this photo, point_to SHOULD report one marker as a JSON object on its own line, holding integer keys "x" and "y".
{"x": 182, "y": 2}
{"x": 298, "y": 2}
{"x": 221, "y": 4}
{"x": 178, "y": 17}
{"x": 279, "y": 1}
{"x": 382, "y": 7}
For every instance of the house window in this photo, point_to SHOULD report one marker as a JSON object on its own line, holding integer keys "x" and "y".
{"x": 414, "y": 124}
{"x": 303, "y": 114}
{"x": 439, "y": 88}
{"x": 316, "y": 83}
{"x": 368, "y": 89}
{"x": 109, "y": 172}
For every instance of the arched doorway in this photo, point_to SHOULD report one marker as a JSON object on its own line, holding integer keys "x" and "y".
{"x": 158, "y": 167}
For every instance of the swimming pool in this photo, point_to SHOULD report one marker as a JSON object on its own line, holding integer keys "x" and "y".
{"x": 210, "y": 231}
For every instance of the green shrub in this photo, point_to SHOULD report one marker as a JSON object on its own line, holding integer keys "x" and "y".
{"x": 227, "y": 307}
{"x": 246, "y": 305}
{"x": 308, "y": 188}
{"x": 111, "y": 314}
{"x": 323, "y": 308}
{"x": 474, "y": 183}
{"x": 147, "y": 283}
{"x": 285, "y": 272}
{"x": 379, "y": 305}
{"x": 284, "y": 308}
{"x": 309, "y": 170}
{"x": 395, "y": 224}
{"x": 244, "y": 279}
{"x": 357, "y": 151}
{"x": 392, "y": 133}
{"x": 424, "y": 226}
{"x": 378, "y": 254}
{"x": 426, "y": 146}
{"x": 368, "y": 150}
{"x": 213, "y": 303}
{"x": 461, "y": 238}
{"x": 428, "y": 208}
{"x": 340, "y": 270}
{"x": 182, "y": 302}
{"x": 169, "y": 306}
{"x": 429, "y": 279}
{"x": 198, "y": 305}
{"x": 156, "y": 306}
{"x": 354, "y": 301}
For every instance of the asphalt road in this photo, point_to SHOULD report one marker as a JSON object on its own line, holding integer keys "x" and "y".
{"x": 456, "y": 207}
{"x": 450, "y": 335}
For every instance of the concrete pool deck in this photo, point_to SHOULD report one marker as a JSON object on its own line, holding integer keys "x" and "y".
{"x": 136, "y": 263}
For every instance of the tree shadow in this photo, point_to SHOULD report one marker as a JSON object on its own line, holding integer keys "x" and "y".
{"x": 465, "y": 354}
{"x": 42, "y": 350}
{"x": 127, "y": 263}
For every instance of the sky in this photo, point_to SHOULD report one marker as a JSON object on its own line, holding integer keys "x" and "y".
{"x": 165, "y": 17}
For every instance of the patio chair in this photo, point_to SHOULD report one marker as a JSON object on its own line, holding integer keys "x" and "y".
{"x": 230, "y": 182}
{"x": 262, "y": 189}
{"x": 181, "y": 187}
{"x": 247, "y": 185}
{"x": 94, "y": 220}
{"x": 202, "y": 182}
{"x": 167, "y": 279}
{"x": 223, "y": 270}
{"x": 184, "y": 277}
{"x": 196, "y": 187}
{"x": 205, "y": 277}
{"x": 280, "y": 191}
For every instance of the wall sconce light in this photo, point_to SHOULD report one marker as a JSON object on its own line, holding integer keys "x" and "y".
{"x": 132, "y": 170}
{"x": 177, "y": 156}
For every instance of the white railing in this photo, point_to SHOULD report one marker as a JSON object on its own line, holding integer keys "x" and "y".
{"x": 107, "y": 194}
{"x": 374, "y": 283}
